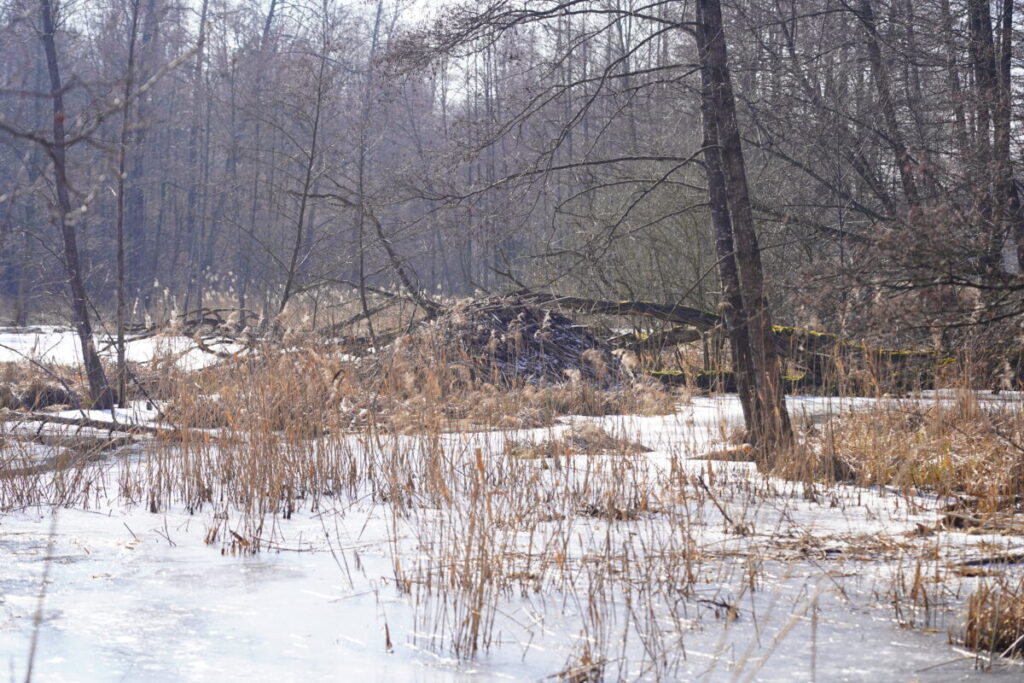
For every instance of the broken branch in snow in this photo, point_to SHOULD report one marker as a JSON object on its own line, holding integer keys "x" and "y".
{"x": 81, "y": 422}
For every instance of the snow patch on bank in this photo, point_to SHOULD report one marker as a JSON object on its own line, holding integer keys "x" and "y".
{"x": 60, "y": 346}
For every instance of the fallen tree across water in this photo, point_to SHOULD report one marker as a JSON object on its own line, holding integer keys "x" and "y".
{"x": 673, "y": 336}
{"x": 672, "y": 313}
{"x": 820, "y": 359}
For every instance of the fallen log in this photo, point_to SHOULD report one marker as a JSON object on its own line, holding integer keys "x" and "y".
{"x": 673, "y": 313}
{"x": 337, "y": 328}
{"x": 64, "y": 460}
{"x": 818, "y": 354}
{"x": 166, "y": 432}
{"x": 222, "y": 320}
{"x": 818, "y": 360}
{"x": 637, "y": 341}
{"x": 82, "y": 422}
{"x": 78, "y": 442}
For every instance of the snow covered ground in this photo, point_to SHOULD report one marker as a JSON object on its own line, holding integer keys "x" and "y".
{"x": 60, "y": 346}
{"x": 788, "y": 584}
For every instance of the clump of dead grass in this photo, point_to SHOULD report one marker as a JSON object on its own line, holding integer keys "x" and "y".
{"x": 582, "y": 439}
{"x": 995, "y": 618}
{"x": 291, "y": 391}
{"x": 959, "y": 447}
{"x": 316, "y": 389}
{"x": 24, "y": 386}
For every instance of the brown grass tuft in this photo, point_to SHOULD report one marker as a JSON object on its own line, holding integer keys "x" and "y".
{"x": 995, "y": 618}
{"x": 960, "y": 447}
{"x": 583, "y": 439}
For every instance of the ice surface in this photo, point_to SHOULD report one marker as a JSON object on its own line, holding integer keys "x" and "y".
{"x": 139, "y": 596}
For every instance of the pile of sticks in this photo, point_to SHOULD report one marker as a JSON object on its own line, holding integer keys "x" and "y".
{"x": 509, "y": 340}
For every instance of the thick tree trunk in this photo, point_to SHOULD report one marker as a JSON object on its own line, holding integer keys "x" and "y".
{"x": 769, "y": 429}
{"x": 734, "y": 311}
{"x": 99, "y": 390}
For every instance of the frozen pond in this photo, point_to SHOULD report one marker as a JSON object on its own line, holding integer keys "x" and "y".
{"x": 140, "y": 596}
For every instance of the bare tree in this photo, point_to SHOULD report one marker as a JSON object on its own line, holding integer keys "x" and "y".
{"x": 100, "y": 392}
{"x": 750, "y": 327}
{"x": 122, "y": 155}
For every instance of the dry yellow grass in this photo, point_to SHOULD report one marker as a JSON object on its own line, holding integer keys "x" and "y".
{"x": 953, "y": 447}
{"x": 582, "y": 439}
{"x": 315, "y": 388}
{"x": 995, "y": 617}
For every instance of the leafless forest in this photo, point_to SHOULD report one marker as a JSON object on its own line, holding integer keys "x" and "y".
{"x": 422, "y": 313}
{"x": 265, "y": 154}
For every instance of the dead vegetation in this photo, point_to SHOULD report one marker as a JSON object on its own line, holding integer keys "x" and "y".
{"x": 34, "y": 387}
{"x": 254, "y": 438}
{"x": 994, "y": 623}
{"x": 959, "y": 448}
{"x": 969, "y": 455}
{"x": 582, "y": 439}
{"x": 451, "y": 375}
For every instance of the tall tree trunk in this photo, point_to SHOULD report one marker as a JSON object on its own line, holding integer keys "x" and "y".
{"x": 300, "y": 223}
{"x": 883, "y": 86}
{"x": 362, "y": 164}
{"x": 307, "y": 182}
{"x": 953, "y": 78}
{"x": 192, "y": 217}
{"x": 769, "y": 428}
{"x": 122, "y": 376}
{"x": 989, "y": 167}
{"x": 1007, "y": 195}
{"x": 245, "y": 252}
{"x": 734, "y": 312}
{"x": 139, "y": 251}
{"x": 100, "y": 394}
{"x": 979, "y": 24}
{"x": 912, "y": 74}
